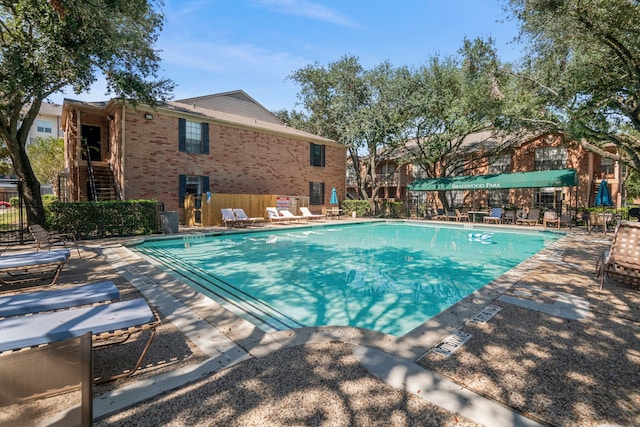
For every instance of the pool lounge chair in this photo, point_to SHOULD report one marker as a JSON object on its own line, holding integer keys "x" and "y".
{"x": 440, "y": 215}
{"x": 622, "y": 261}
{"x": 274, "y": 216}
{"x": 109, "y": 324}
{"x": 242, "y": 217}
{"x": 494, "y": 217}
{"x": 46, "y": 239}
{"x": 28, "y": 267}
{"x": 313, "y": 217}
{"x": 532, "y": 218}
{"x": 56, "y": 299}
{"x": 286, "y": 214}
{"x": 229, "y": 219}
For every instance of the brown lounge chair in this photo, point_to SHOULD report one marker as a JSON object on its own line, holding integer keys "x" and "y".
{"x": 622, "y": 261}
{"x": 46, "y": 239}
{"x": 532, "y": 218}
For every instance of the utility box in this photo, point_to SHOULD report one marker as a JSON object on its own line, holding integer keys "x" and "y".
{"x": 169, "y": 222}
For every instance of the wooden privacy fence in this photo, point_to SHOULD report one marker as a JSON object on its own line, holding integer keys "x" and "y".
{"x": 206, "y": 211}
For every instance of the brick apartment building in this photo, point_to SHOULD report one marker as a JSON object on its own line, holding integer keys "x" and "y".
{"x": 223, "y": 143}
{"x": 537, "y": 153}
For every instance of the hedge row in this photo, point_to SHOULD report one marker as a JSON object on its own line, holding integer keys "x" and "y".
{"x": 87, "y": 220}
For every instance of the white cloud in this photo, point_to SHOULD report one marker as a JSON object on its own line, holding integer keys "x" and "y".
{"x": 309, "y": 9}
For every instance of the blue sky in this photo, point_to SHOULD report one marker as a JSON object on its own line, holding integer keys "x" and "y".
{"x": 213, "y": 46}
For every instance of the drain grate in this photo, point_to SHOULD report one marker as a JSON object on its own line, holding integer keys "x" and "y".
{"x": 451, "y": 343}
{"x": 485, "y": 314}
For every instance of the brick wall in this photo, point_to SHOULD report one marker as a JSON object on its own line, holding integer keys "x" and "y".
{"x": 240, "y": 161}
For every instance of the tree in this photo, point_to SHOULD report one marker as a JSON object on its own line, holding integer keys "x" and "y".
{"x": 448, "y": 100}
{"x": 353, "y": 106}
{"x": 49, "y": 45}
{"x": 46, "y": 156}
{"x": 584, "y": 63}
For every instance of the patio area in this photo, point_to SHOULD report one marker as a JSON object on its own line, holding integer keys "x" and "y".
{"x": 559, "y": 351}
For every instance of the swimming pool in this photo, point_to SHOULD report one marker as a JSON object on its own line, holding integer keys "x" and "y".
{"x": 385, "y": 276}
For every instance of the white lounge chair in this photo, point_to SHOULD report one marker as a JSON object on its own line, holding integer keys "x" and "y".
{"x": 274, "y": 216}
{"x": 241, "y": 216}
{"x": 286, "y": 214}
{"x": 229, "y": 218}
{"x": 307, "y": 214}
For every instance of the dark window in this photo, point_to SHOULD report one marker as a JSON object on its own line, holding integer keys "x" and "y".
{"x": 191, "y": 184}
{"x": 316, "y": 193}
{"x": 193, "y": 137}
{"x": 317, "y": 155}
{"x": 550, "y": 158}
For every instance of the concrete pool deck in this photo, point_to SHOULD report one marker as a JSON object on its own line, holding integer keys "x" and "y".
{"x": 557, "y": 285}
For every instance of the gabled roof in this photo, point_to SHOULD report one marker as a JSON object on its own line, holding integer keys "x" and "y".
{"x": 236, "y": 102}
{"x": 244, "y": 121}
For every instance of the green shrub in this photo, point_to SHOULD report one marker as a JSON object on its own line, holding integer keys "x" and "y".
{"x": 103, "y": 219}
{"x": 360, "y": 207}
{"x": 394, "y": 209}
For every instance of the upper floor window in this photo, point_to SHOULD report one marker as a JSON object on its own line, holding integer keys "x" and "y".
{"x": 317, "y": 154}
{"x": 387, "y": 168}
{"x": 607, "y": 165}
{"x": 44, "y": 126}
{"x": 500, "y": 164}
{"x": 193, "y": 137}
{"x": 550, "y": 158}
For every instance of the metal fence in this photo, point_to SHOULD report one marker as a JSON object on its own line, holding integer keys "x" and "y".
{"x": 13, "y": 222}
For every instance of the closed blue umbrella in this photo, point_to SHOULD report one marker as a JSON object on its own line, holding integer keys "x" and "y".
{"x": 334, "y": 197}
{"x": 603, "y": 196}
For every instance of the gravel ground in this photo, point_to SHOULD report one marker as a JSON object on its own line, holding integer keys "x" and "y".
{"x": 560, "y": 371}
{"x": 311, "y": 385}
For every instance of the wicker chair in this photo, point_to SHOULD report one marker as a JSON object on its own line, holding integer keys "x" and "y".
{"x": 622, "y": 261}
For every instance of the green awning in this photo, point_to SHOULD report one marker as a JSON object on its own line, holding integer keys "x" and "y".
{"x": 537, "y": 179}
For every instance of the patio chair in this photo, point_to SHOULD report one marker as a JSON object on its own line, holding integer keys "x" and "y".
{"x": 622, "y": 261}
{"x": 110, "y": 324}
{"x": 532, "y": 218}
{"x": 494, "y": 217}
{"x": 242, "y": 217}
{"x": 25, "y": 267}
{"x": 307, "y": 214}
{"x": 229, "y": 219}
{"x": 510, "y": 217}
{"x": 46, "y": 239}
{"x": 462, "y": 217}
{"x": 550, "y": 218}
{"x": 57, "y": 299}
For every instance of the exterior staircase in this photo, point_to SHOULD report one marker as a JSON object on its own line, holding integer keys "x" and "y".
{"x": 105, "y": 187}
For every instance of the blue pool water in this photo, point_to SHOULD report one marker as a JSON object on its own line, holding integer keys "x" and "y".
{"x": 389, "y": 277}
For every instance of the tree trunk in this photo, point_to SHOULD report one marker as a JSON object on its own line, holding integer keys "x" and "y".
{"x": 31, "y": 187}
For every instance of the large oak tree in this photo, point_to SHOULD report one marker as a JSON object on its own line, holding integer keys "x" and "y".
{"x": 584, "y": 63}
{"x": 46, "y": 46}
